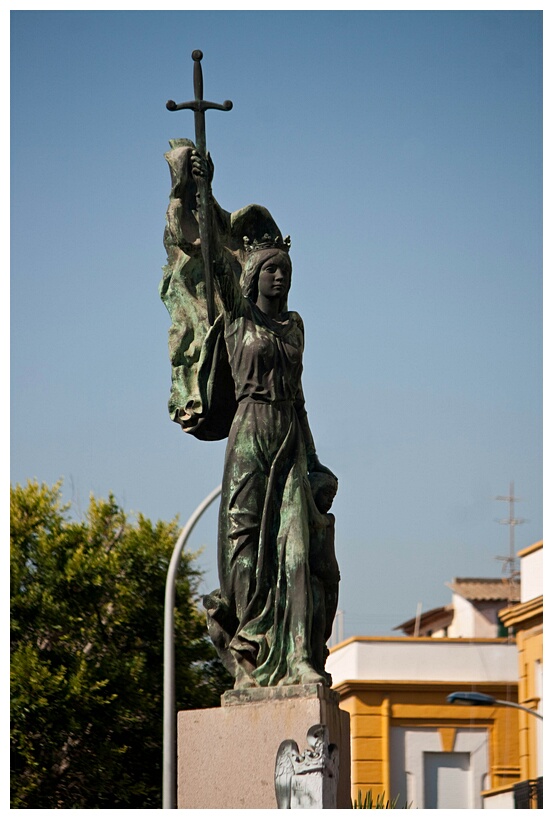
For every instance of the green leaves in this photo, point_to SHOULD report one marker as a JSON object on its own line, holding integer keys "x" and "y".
{"x": 87, "y": 602}
{"x": 368, "y": 803}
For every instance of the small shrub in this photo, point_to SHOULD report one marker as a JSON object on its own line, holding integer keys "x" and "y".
{"x": 367, "y": 802}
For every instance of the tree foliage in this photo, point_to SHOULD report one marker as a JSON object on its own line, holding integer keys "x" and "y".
{"x": 87, "y": 602}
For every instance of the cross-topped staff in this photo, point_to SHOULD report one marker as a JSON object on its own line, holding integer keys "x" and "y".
{"x": 200, "y": 106}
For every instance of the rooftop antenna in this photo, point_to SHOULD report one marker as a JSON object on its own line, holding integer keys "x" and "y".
{"x": 417, "y": 620}
{"x": 337, "y": 635}
{"x": 509, "y": 563}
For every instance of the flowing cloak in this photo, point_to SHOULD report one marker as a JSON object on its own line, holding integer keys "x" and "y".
{"x": 202, "y": 392}
{"x": 241, "y": 378}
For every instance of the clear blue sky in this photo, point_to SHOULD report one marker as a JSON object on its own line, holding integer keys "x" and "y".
{"x": 402, "y": 152}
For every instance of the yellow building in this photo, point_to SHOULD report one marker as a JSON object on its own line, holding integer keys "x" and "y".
{"x": 406, "y": 740}
{"x": 526, "y": 622}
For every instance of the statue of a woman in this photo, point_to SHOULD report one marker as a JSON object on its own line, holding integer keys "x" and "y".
{"x": 242, "y": 377}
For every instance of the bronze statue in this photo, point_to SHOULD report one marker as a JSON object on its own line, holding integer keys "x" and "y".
{"x": 237, "y": 373}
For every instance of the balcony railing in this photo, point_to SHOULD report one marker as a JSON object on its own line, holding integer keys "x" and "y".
{"x": 529, "y": 794}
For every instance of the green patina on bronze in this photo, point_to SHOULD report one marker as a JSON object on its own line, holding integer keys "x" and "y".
{"x": 241, "y": 377}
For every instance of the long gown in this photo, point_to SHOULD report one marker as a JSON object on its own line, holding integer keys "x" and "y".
{"x": 265, "y": 604}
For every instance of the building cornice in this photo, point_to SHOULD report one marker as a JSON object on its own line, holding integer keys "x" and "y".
{"x": 348, "y": 687}
{"x": 529, "y": 549}
{"x": 430, "y": 640}
{"x": 523, "y": 613}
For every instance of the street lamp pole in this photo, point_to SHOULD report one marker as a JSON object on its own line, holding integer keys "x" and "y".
{"x": 520, "y": 707}
{"x": 169, "y": 699}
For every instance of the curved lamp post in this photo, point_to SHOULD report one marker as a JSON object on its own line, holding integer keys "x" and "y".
{"x": 477, "y": 698}
{"x": 169, "y": 707}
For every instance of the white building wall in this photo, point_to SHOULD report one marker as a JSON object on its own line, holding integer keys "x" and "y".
{"x": 462, "y": 624}
{"x": 487, "y": 621}
{"x": 425, "y": 776}
{"x": 470, "y": 620}
{"x": 500, "y": 801}
{"x": 531, "y": 576}
{"x": 432, "y": 659}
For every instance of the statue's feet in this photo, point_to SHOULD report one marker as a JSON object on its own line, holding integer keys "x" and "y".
{"x": 308, "y": 675}
{"x": 244, "y": 680}
{"x": 311, "y": 677}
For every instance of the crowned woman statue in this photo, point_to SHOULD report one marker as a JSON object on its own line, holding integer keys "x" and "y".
{"x": 241, "y": 378}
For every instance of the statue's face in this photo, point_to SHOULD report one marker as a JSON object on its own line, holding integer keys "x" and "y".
{"x": 274, "y": 277}
{"x": 325, "y": 498}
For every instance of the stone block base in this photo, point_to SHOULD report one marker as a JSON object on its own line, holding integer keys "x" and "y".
{"x": 226, "y": 756}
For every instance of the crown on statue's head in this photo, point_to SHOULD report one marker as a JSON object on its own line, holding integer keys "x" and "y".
{"x": 266, "y": 242}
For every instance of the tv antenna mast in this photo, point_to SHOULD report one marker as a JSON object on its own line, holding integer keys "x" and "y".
{"x": 509, "y": 563}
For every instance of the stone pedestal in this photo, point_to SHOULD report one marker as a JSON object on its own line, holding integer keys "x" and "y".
{"x": 227, "y": 755}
